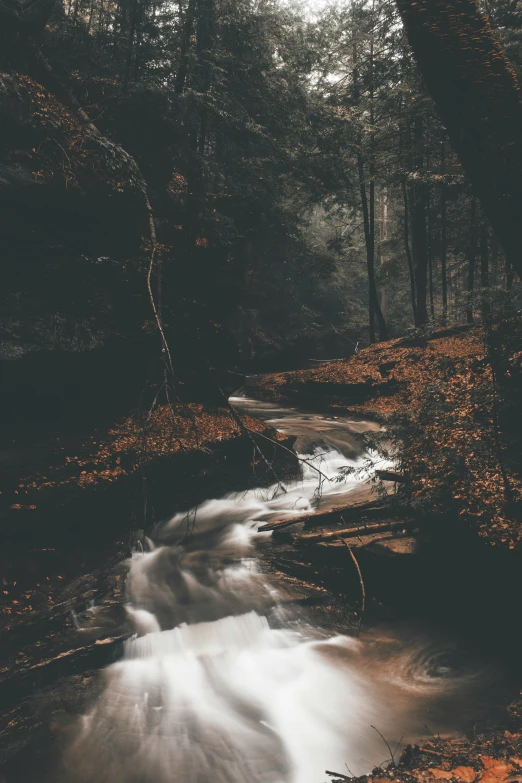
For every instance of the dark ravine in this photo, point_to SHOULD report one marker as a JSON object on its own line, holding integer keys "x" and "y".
{"x": 75, "y": 562}
{"x": 318, "y": 593}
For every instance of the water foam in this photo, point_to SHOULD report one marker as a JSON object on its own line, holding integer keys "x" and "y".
{"x": 208, "y": 691}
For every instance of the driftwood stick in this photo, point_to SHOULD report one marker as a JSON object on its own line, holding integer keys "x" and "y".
{"x": 296, "y": 456}
{"x": 326, "y": 517}
{"x": 353, "y": 532}
{"x": 363, "y": 591}
{"x": 390, "y": 475}
{"x": 250, "y": 434}
{"x": 433, "y": 752}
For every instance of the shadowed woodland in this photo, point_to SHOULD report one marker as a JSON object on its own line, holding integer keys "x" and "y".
{"x": 325, "y": 196}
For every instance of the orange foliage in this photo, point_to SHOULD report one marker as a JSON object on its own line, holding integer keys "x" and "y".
{"x": 397, "y": 379}
{"x": 105, "y": 458}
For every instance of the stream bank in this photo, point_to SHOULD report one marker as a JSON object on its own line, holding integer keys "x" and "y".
{"x": 459, "y": 435}
{"x": 240, "y": 668}
{"x": 450, "y": 401}
{"x": 93, "y": 495}
{"x": 315, "y": 595}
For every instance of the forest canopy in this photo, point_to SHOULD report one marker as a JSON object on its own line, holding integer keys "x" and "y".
{"x": 305, "y": 196}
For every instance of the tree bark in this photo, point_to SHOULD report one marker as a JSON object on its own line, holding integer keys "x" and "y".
{"x": 187, "y": 31}
{"x": 383, "y": 236}
{"x": 408, "y": 249}
{"x": 368, "y": 210}
{"x": 430, "y": 256}
{"x": 443, "y": 244}
{"x": 130, "y": 41}
{"x": 383, "y": 329}
{"x": 484, "y": 269}
{"x": 418, "y": 227}
{"x": 479, "y": 101}
{"x": 372, "y": 292}
{"x": 205, "y": 40}
{"x": 509, "y": 276}
{"x": 472, "y": 254}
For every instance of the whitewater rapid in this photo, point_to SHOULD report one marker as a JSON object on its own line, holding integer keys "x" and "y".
{"x": 223, "y": 682}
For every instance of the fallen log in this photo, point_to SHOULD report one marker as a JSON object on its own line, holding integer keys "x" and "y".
{"x": 352, "y": 532}
{"x": 373, "y": 507}
{"x": 77, "y": 660}
{"x": 390, "y": 475}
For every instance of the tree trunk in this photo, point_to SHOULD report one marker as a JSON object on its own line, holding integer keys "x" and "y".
{"x": 130, "y": 41}
{"x": 495, "y": 255}
{"x": 383, "y": 329}
{"x": 477, "y": 95}
{"x": 205, "y": 35}
{"x": 472, "y": 254}
{"x": 430, "y": 256}
{"x": 484, "y": 270}
{"x": 187, "y": 32}
{"x": 383, "y": 236}
{"x": 374, "y": 307}
{"x": 443, "y": 248}
{"x": 408, "y": 250}
{"x": 368, "y": 210}
{"x": 509, "y": 276}
{"x": 372, "y": 293}
{"x": 418, "y": 227}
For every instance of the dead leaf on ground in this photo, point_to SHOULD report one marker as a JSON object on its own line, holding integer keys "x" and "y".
{"x": 465, "y": 774}
{"x": 496, "y": 770}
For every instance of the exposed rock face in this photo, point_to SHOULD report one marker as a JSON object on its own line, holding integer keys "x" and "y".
{"x": 72, "y": 218}
{"x": 43, "y": 143}
{"x": 67, "y": 196}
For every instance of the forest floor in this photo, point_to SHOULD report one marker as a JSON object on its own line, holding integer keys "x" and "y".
{"x": 72, "y": 510}
{"x": 41, "y": 478}
{"x": 71, "y": 506}
{"x": 493, "y": 758}
{"x": 449, "y": 403}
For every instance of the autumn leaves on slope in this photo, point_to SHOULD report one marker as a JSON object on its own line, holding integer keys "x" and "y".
{"x": 493, "y": 758}
{"x": 105, "y": 457}
{"x": 449, "y": 402}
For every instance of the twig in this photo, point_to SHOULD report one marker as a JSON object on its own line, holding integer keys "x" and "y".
{"x": 437, "y": 739}
{"x": 399, "y": 743}
{"x": 338, "y": 775}
{"x": 301, "y": 459}
{"x": 250, "y": 434}
{"x": 392, "y": 755}
{"x": 69, "y": 97}
{"x": 434, "y": 752}
{"x": 363, "y": 591}
{"x": 354, "y": 532}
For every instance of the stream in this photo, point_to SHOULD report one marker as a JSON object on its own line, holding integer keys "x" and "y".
{"x": 229, "y": 679}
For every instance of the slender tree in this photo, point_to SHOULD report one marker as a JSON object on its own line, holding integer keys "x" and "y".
{"x": 418, "y": 223}
{"x": 484, "y": 268}
{"x": 472, "y": 256}
{"x": 443, "y": 240}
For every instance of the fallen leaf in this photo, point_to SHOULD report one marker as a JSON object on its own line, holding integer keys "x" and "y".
{"x": 440, "y": 774}
{"x": 465, "y": 774}
{"x": 495, "y": 770}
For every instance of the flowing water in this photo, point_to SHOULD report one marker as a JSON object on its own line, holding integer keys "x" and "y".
{"x": 225, "y": 681}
